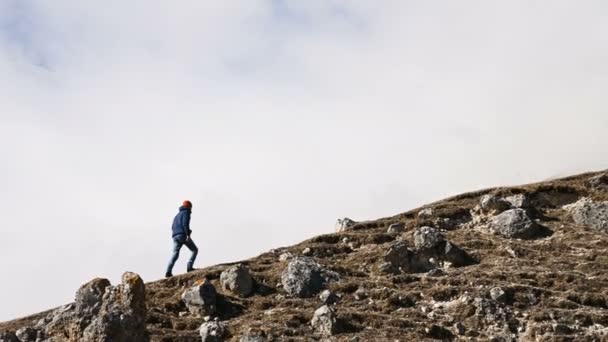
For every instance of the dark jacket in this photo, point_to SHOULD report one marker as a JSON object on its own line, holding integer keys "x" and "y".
{"x": 181, "y": 222}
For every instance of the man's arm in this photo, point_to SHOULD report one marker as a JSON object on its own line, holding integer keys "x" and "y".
{"x": 186, "y": 226}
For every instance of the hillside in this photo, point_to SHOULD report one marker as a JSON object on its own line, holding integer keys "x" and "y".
{"x": 525, "y": 263}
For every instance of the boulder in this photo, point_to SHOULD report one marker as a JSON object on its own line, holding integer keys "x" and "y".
{"x": 101, "y": 312}
{"x": 325, "y": 321}
{"x": 498, "y": 294}
{"x": 398, "y": 258}
{"x": 427, "y": 238}
{"x": 518, "y": 201}
{"x": 396, "y": 228}
{"x": 328, "y": 297}
{"x": 344, "y": 224}
{"x": 212, "y": 331}
{"x": 237, "y": 280}
{"x": 304, "y": 277}
{"x": 201, "y": 299}
{"x": 493, "y": 204}
{"x": 252, "y": 338}
{"x": 27, "y": 334}
{"x": 89, "y": 296}
{"x": 425, "y": 213}
{"x": 591, "y": 214}
{"x": 599, "y": 181}
{"x": 514, "y": 223}
{"x": 8, "y": 336}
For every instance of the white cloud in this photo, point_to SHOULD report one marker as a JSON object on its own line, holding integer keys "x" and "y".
{"x": 274, "y": 118}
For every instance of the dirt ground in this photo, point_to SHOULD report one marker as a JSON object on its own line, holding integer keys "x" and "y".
{"x": 556, "y": 286}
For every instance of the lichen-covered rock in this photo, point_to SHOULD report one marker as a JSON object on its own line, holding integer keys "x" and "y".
{"x": 518, "y": 201}
{"x": 344, "y": 224}
{"x": 201, "y": 299}
{"x": 101, "y": 312}
{"x": 237, "y": 280}
{"x": 427, "y": 237}
{"x": 493, "y": 204}
{"x": 304, "y": 277}
{"x": 591, "y": 214}
{"x": 325, "y": 321}
{"x": 212, "y": 331}
{"x": 8, "y": 336}
{"x": 396, "y": 228}
{"x": 514, "y": 223}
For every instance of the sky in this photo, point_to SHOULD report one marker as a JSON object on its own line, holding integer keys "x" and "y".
{"x": 275, "y": 118}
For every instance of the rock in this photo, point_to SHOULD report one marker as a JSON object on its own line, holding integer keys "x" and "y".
{"x": 498, "y": 294}
{"x": 589, "y": 213}
{"x": 27, "y": 334}
{"x": 328, "y": 297}
{"x": 518, "y": 201}
{"x": 427, "y": 238}
{"x": 237, "y": 280}
{"x": 201, "y": 299}
{"x": 493, "y": 204}
{"x": 101, "y": 312}
{"x": 514, "y": 223}
{"x": 252, "y": 338}
{"x": 438, "y": 332}
{"x": 455, "y": 256}
{"x": 425, "y": 213}
{"x": 344, "y": 224}
{"x": 304, "y": 277}
{"x": 212, "y": 331}
{"x": 459, "y": 329}
{"x": 89, "y": 296}
{"x": 307, "y": 251}
{"x": 396, "y": 228}
{"x": 599, "y": 181}
{"x": 361, "y": 294}
{"x": 8, "y": 336}
{"x": 285, "y": 256}
{"x": 398, "y": 258}
{"x": 324, "y": 321}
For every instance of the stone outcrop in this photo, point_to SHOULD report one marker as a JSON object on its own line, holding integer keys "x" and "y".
{"x": 237, "y": 280}
{"x": 591, "y": 214}
{"x": 514, "y": 223}
{"x": 304, "y": 277}
{"x": 201, "y": 299}
{"x": 344, "y": 224}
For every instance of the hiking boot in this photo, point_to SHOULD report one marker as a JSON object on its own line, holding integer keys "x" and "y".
{"x": 190, "y": 269}
{"x": 168, "y": 275}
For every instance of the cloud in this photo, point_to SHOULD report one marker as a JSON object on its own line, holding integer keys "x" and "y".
{"x": 274, "y": 118}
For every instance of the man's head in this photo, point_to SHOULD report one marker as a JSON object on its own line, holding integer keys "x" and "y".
{"x": 187, "y": 204}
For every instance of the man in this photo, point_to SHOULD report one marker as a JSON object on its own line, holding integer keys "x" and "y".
{"x": 181, "y": 236}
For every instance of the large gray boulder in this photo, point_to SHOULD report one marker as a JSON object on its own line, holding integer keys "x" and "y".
{"x": 325, "y": 321}
{"x": 237, "y": 280}
{"x": 212, "y": 331}
{"x": 518, "y": 201}
{"x": 344, "y": 224}
{"x": 591, "y": 214}
{"x": 514, "y": 223}
{"x": 101, "y": 312}
{"x": 201, "y": 299}
{"x": 304, "y": 277}
{"x": 427, "y": 237}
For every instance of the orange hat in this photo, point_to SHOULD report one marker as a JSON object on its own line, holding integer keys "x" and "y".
{"x": 187, "y": 204}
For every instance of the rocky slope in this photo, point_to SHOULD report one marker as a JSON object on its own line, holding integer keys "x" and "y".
{"x": 507, "y": 264}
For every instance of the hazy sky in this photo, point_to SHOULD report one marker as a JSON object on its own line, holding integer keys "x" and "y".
{"x": 274, "y": 118}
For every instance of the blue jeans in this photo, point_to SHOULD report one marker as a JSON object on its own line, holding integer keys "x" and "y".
{"x": 178, "y": 242}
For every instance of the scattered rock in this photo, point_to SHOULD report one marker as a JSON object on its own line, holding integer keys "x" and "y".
{"x": 498, "y": 294}
{"x": 212, "y": 331}
{"x": 427, "y": 238}
{"x": 304, "y": 277}
{"x": 599, "y": 181}
{"x": 328, "y": 297}
{"x": 237, "y": 280}
{"x": 589, "y": 213}
{"x": 27, "y": 334}
{"x": 361, "y": 294}
{"x": 307, "y": 251}
{"x": 425, "y": 213}
{"x": 252, "y": 338}
{"x": 344, "y": 224}
{"x": 201, "y": 298}
{"x": 514, "y": 223}
{"x": 398, "y": 258}
{"x": 285, "y": 256}
{"x": 518, "y": 201}
{"x": 396, "y": 228}
{"x": 325, "y": 321}
{"x": 493, "y": 204}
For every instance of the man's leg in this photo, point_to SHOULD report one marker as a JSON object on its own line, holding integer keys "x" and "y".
{"x": 177, "y": 245}
{"x": 192, "y": 247}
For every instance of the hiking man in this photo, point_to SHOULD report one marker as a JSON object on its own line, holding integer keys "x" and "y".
{"x": 181, "y": 236}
